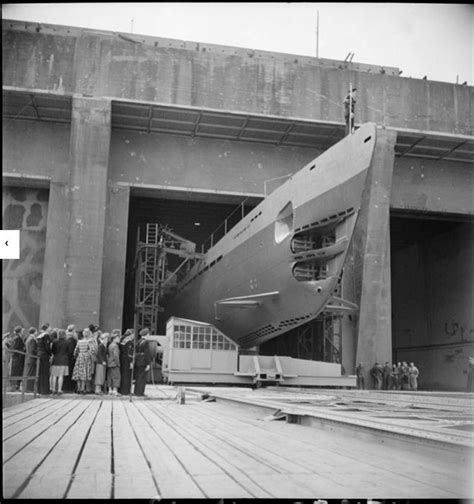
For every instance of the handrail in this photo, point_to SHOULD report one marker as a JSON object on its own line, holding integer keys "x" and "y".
{"x": 6, "y": 378}
{"x": 241, "y": 207}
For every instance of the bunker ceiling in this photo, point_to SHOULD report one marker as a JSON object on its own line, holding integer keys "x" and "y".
{"x": 232, "y": 125}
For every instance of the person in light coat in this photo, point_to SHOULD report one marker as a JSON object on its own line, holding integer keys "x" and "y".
{"x": 413, "y": 374}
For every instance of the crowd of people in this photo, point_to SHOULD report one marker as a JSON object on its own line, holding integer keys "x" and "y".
{"x": 399, "y": 376}
{"x": 86, "y": 361}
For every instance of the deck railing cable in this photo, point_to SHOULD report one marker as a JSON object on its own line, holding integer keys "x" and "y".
{"x": 224, "y": 227}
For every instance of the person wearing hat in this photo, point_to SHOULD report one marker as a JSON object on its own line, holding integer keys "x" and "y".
{"x": 43, "y": 341}
{"x": 17, "y": 359}
{"x": 30, "y": 359}
{"x": 142, "y": 363}
{"x": 126, "y": 359}
{"x": 349, "y": 107}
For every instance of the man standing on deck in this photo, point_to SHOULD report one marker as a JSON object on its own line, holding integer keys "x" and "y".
{"x": 413, "y": 374}
{"x": 376, "y": 373}
{"x": 142, "y": 363}
{"x": 349, "y": 107}
{"x": 17, "y": 359}
{"x": 360, "y": 376}
{"x": 30, "y": 358}
{"x": 387, "y": 372}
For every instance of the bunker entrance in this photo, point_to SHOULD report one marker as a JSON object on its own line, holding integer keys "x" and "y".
{"x": 192, "y": 220}
{"x": 432, "y": 277}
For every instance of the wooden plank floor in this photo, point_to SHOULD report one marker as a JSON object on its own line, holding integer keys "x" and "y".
{"x": 76, "y": 447}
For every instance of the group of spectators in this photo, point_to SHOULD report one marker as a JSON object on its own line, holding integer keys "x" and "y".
{"x": 83, "y": 361}
{"x": 399, "y": 376}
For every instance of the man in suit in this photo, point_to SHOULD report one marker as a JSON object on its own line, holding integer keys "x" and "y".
{"x": 387, "y": 376}
{"x": 360, "y": 373}
{"x": 142, "y": 363}
{"x": 17, "y": 359}
{"x": 30, "y": 360}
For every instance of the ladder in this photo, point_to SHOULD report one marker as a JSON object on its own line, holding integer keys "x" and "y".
{"x": 152, "y": 277}
{"x": 149, "y": 274}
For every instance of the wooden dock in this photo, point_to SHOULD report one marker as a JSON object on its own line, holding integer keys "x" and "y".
{"x": 88, "y": 447}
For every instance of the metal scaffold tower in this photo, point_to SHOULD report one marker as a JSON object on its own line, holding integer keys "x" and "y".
{"x": 153, "y": 278}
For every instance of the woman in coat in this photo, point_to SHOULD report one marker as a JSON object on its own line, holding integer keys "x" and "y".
{"x": 83, "y": 366}
{"x": 43, "y": 345}
{"x": 60, "y": 365}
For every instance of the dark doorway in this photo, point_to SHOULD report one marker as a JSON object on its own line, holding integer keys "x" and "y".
{"x": 192, "y": 220}
{"x": 432, "y": 297}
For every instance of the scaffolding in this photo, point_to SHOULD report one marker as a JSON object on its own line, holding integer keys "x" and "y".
{"x": 153, "y": 278}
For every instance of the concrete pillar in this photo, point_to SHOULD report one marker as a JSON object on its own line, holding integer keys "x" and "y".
{"x": 372, "y": 255}
{"x": 114, "y": 259}
{"x": 54, "y": 268}
{"x": 88, "y": 165}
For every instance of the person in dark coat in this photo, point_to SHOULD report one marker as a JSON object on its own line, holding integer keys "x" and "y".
{"x": 142, "y": 363}
{"x": 17, "y": 360}
{"x": 126, "y": 359}
{"x": 44, "y": 353}
{"x": 394, "y": 383}
{"x": 400, "y": 376}
{"x": 113, "y": 363}
{"x": 30, "y": 360}
{"x": 360, "y": 376}
{"x": 60, "y": 364}
{"x": 377, "y": 373}
{"x": 387, "y": 373}
{"x": 71, "y": 338}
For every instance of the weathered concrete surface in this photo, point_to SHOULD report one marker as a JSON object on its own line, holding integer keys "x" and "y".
{"x": 432, "y": 186}
{"x": 22, "y": 280}
{"x": 114, "y": 257}
{"x": 372, "y": 245}
{"x": 34, "y": 148}
{"x": 67, "y": 60}
{"x": 433, "y": 299}
{"x": 54, "y": 272}
{"x": 201, "y": 163}
{"x": 89, "y": 160}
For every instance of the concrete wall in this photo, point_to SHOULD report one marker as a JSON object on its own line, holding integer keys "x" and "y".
{"x": 201, "y": 163}
{"x": 34, "y": 148}
{"x": 433, "y": 300}
{"x": 25, "y": 209}
{"x": 67, "y": 60}
{"x": 432, "y": 186}
{"x": 371, "y": 251}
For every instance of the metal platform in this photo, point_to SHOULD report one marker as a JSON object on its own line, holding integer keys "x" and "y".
{"x": 433, "y": 418}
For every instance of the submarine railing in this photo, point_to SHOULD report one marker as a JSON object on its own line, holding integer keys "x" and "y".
{"x": 226, "y": 225}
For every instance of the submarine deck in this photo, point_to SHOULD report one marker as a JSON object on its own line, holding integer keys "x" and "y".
{"x": 333, "y": 444}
